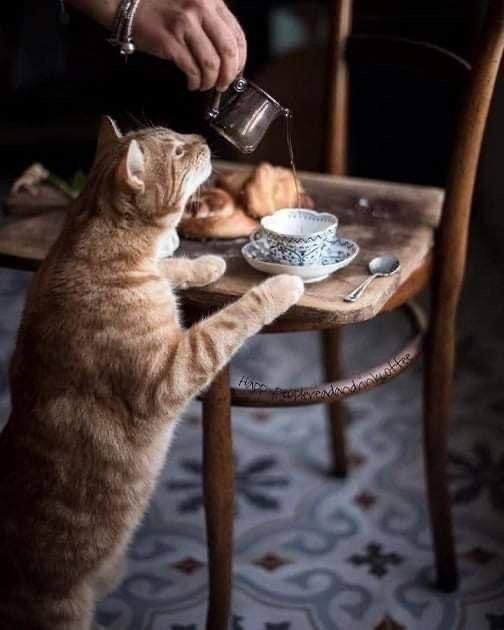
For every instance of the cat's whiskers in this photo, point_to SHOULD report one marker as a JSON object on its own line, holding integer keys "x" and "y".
{"x": 146, "y": 122}
{"x": 150, "y": 123}
{"x": 143, "y": 122}
{"x": 138, "y": 121}
{"x": 198, "y": 195}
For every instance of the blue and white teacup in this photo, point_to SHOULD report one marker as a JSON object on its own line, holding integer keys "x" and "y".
{"x": 295, "y": 236}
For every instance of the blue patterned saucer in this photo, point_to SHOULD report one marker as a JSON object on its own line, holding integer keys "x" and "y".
{"x": 337, "y": 255}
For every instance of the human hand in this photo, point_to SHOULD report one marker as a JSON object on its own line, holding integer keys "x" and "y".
{"x": 202, "y": 37}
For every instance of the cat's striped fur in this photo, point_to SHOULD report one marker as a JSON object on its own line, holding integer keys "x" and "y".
{"x": 101, "y": 371}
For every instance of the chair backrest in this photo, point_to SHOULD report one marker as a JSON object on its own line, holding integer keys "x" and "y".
{"x": 451, "y": 241}
{"x": 404, "y": 96}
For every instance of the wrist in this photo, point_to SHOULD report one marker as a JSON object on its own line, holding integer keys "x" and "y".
{"x": 101, "y": 11}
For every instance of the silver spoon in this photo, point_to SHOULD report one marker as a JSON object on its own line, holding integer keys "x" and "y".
{"x": 379, "y": 267}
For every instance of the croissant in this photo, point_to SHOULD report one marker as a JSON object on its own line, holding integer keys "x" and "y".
{"x": 271, "y": 188}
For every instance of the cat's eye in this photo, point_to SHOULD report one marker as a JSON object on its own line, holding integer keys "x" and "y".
{"x": 179, "y": 151}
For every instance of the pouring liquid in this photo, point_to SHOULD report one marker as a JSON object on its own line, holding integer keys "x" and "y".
{"x": 288, "y": 131}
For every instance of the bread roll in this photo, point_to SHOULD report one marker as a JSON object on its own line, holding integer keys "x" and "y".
{"x": 215, "y": 215}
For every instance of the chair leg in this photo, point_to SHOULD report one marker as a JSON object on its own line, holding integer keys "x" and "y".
{"x": 218, "y": 483}
{"x": 438, "y": 378}
{"x": 336, "y": 411}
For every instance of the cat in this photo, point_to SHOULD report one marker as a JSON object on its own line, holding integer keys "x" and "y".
{"x": 101, "y": 371}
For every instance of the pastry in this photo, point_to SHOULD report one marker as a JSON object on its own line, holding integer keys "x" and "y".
{"x": 271, "y": 188}
{"x": 211, "y": 201}
{"x": 238, "y": 225}
{"x": 232, "y": 207}
{"x": 232, "y": 182}
{"x": 305, "y": 201}
{"x": 215, "y": 215}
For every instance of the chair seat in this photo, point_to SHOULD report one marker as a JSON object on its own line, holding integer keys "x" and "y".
{"x": 383, "y": 218}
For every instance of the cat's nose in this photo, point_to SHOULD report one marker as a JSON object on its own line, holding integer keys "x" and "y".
{"x": 204, "y": 150}
{"x": 200, "y": 146}
{"x": 197, "y": 139}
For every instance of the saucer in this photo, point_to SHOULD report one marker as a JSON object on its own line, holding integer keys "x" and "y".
{"x": 338, "y": 254}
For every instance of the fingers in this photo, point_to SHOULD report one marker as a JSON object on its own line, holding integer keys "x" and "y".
{"x": 206, "y": 42}
{"x": 183, "y": 59}
{"x": 241, "y": 40}
{"x": 205, "y": 55}
{"x": 242, "y": 46}
{"x": 226, "y": 45}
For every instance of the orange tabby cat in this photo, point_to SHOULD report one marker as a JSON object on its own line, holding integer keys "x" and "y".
{"x": 101, "y": 371}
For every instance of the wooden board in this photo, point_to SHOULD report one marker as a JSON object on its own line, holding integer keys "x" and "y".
{"x": 394, "y": 219}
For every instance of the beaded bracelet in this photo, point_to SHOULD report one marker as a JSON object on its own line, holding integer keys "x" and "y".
{"x": 122, "y": 27}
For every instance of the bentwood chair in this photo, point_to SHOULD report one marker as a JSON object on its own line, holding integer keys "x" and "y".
{"x": 443, "y": 269}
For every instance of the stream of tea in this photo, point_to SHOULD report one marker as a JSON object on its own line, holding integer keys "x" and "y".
{"x": 290, "y": 146}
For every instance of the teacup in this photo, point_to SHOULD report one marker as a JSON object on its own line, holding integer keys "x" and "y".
{"x": 295, "y": 236}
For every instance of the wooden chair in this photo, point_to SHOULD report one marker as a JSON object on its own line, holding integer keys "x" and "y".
{"x": 444, "y": 270}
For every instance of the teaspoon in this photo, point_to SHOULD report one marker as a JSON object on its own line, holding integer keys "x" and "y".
{"x": 379, "y": 267}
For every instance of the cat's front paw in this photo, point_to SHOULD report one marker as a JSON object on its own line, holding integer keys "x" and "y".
{"x": 208, "y": 269}
{"x": 283, "y": 291}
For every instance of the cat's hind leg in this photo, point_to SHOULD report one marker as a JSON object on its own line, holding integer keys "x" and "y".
{"x": 110, "y": 575}
{"x": 83, "y": 604}
{"x": 74, "y": 612}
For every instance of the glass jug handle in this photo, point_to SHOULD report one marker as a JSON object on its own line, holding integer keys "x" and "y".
{"x": 214, "y": 110}
{"x": 239, "y": 86}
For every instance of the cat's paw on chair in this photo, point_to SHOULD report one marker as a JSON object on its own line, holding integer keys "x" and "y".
{"x": 290, "y": 288}
{"x": 283, "y": 292}
{"x": 208, "y": 269}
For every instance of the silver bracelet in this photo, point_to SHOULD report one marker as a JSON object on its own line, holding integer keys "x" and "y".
{"x": 122, "y": 27}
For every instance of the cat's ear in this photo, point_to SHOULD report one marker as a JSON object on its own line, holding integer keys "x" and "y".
{"x": 131, "y": 169}
{"x": 109, "y": 133}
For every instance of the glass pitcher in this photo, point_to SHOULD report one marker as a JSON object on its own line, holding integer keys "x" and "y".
{"x": 243, "y": 114}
